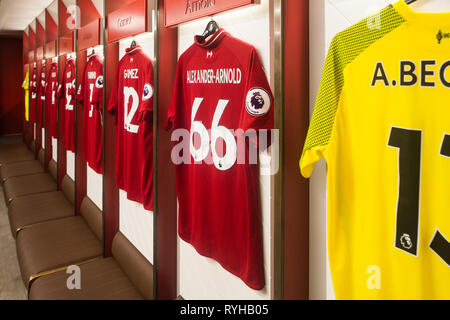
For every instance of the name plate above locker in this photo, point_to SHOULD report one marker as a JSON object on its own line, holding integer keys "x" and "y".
{"x": 39, "y": 53}
{"x": 130, "y": 20}
{"x": 31, "y": 56}
{"x": 50, "y": 49}
{"x": 179, "y": 11}
{"x": 65, "y": 45}
{"x": 89, "y": 35}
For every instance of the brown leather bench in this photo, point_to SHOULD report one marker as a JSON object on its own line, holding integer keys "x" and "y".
{"x": 34, "y": 183}
{"x": 23, "y": 168}
{"x": 29, "y": 210}
{"x": 62, "y": 242}
{"x": 14, "y": 153}
{"x": 12, "y": 146}
{"x": 127, "y": 275}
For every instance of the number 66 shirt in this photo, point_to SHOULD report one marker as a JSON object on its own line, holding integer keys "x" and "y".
{"x": 132, "y": 103}
{"x": 221, "y": 87}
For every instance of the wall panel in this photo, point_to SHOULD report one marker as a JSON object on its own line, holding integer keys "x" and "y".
{"x": 11, "y": 93}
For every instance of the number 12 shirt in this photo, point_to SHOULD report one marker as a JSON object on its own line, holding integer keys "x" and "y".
{"x": 220, "y": 86}
{"x": 132, "y": 103}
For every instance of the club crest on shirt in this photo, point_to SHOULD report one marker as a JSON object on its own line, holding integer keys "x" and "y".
{"x": 99, "y": 82}
{"x": 258, "y": 102}
{"x": 148, "y": 92}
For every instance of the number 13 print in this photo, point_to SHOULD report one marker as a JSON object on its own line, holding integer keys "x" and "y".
{"x": 409, "y": 143}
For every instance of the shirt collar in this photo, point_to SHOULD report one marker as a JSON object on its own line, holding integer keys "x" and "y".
{"x": 133, "y": 50}
{"x": 212, "y": 41}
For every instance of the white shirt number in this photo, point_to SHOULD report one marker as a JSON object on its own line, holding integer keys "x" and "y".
{"x": 229, "y": 158}
{"x": 130, "y": 92}
{"x": 69, "y": 106}
{"x": 53, "y": 93}
{"x": 91, "y": 91}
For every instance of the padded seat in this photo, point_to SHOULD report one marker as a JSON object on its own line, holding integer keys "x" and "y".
{"x": 31, "y": 209}
{"x": 12, "y": 146}
{"x": 22, "y": 168}
{"x": 20, "y": 186}
{"x": 100, "y": 280}
{"x": 36, "y": 208}
{"x": 127, "y": 275}
{"x": 62, "y": 242}
{"x": 15, "y": 154}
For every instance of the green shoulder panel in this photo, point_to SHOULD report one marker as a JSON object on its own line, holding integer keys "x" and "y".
{"x": 345, "y": 47}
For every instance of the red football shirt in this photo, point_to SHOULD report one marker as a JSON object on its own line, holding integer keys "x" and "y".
{"x": 220, "y": 86}
{"x": 41, "y": 97}
{"x": 50, "y": 96}
{"x": 132, "y": 102}
{"x": 33, "y": 88}
{"x": 90, "y": 94}
{"x": 66, "y": 91}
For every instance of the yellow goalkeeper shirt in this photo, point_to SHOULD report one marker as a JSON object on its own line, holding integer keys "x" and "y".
{"x": 382, "y": 123}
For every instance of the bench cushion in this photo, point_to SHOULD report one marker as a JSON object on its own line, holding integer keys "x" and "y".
{"x": 16, "y": 154}
{"x": 24, "y": 185}
{"x": 40, "y": 207}
{"x": 21, "y": 168}
{"x": 6, "y": 147}
{"x": 138, "y": 269}
{"x": 93, "y": 216}
{"x": 54, "y": 244}
{"x": 100, "y": 280}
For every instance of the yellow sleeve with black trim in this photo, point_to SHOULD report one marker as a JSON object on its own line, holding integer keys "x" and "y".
{"x": 345, "y": 47}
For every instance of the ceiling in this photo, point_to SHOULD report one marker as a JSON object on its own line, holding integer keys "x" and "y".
{"x": 16, "y": 15}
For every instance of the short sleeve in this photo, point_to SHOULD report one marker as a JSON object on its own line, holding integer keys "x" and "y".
{"x": 97, "y": 94}
{"x": 147, "y": 90}
{"x": 177, "y": 96}
{"x": 113, "y": 99}
{"x": 39, "y": 83}
{"x": 80, "y": 91}
{"x": 258, "y": 106}
{"x": 59, "y": 92}
{"x": 62, "y": 85}
{"x": 48, "y": 88}
{"x": 322, "y": 121}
